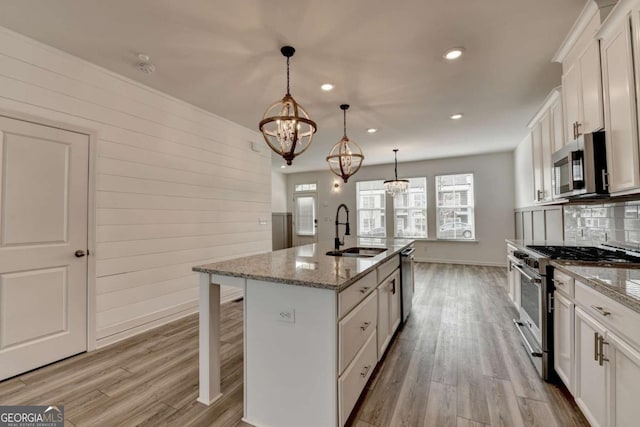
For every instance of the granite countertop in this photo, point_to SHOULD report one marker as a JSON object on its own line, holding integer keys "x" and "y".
{"x": 619, "y": 284}
{"x": 309, "y": 265}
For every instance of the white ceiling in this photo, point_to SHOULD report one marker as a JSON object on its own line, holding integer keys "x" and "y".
{"x": 384, "y": 58}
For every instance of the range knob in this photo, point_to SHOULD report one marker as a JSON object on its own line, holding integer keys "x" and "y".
{"x": 520, "y": 254}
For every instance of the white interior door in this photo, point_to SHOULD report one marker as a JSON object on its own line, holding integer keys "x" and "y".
{"x": 43, "y": 222}
{"x": 305, "y": 207}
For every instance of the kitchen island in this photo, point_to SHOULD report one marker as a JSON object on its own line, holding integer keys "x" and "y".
{"x": 315, "y": 326}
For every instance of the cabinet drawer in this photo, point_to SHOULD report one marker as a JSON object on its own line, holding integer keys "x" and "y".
{"x": 352, "y": 382}
{"x": 388, "y": 267}
{"x": 563, "y": 283}
{"x": 610, "y": 313}
{"x": 355, "y": 329}
{"x": 355, "y": 293}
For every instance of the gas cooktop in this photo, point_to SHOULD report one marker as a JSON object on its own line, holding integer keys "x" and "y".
{"x": 586, "y": 253}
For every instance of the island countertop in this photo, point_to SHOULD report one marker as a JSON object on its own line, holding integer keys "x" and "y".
{"x": 308, "y": 265}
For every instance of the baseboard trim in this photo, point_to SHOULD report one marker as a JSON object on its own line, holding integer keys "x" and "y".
{"x": 154, "y": 320}
{"x": 463, "y": 262}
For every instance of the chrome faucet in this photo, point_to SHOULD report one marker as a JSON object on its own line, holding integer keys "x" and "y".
{"x": 337, "y": 242}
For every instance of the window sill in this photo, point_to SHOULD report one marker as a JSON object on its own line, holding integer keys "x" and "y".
{"x": 449, "y": 240}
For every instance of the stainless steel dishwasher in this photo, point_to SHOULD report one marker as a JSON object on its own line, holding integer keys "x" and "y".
{"x": 406, "y": 277}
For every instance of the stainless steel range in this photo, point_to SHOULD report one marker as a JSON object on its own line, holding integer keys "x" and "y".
{"x": 535, "y": 324}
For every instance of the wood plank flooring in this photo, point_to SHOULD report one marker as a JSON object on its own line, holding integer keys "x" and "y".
{"x": 456, "y": 362}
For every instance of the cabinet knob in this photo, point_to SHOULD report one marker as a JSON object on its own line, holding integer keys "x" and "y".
{"x": 80, "y": 253}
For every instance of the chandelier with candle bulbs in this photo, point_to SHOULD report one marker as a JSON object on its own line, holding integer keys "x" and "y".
{"x": 345, "y": 158}
{"x": 286, "y": 126}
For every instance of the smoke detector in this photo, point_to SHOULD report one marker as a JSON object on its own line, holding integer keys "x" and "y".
{"x": 144, "y": 64}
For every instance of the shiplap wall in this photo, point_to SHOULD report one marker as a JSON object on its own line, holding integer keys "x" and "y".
{"x": 176, "y": 186}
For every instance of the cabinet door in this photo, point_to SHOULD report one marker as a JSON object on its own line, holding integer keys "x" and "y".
{"x": 536, "y": 144}
{"x": 571, "y": 95}
{"x": 557, "y": 126}
{"x": 394, "y": 309}
{"x": 624, "y": 374}
{"x": 590, "y": 385}
{"x": 383, "y": 319}
{"x": 546, "y": 143}
{"x": 591, "y": 79}
{"x": 563, "y": 337}
{"x": 620, "y": 111}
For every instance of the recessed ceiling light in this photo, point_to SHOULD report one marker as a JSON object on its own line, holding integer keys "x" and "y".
{"x": 372, "y": 130}
{"x": 456, "y": 116}
{"x": 326, "y": 87}
{"x": 282, "y": 166}
{"x": 453, "y": 53}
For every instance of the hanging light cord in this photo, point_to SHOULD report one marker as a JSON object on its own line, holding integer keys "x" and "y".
{"x": 396, "y": 163}
{"x": 345, "y": 122}
{"x": 288, "y": 91}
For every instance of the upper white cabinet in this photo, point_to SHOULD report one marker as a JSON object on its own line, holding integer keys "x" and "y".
{"x": 621, "y": 116}
{"x": 546, "y": 135}
{"x": 582, "y": 76}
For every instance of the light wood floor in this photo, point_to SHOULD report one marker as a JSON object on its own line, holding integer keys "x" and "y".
{"x": 457, "y": 362}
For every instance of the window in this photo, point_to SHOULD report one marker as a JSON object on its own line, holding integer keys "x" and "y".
{"x": 455, "y": 206}
{"x": 306, "y": 187}
{"x": 410, "y": 210}
{"x": 371, "y": 206}
{"x": 304, "y": 201}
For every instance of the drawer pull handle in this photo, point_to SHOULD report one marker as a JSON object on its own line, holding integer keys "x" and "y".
{"x": 558, "y": 282}
{"x": 365, "y": 371}
{"x": 364, "y": 326}
{"x": 601, "y": 310}
{"x": 596, "y": 340}
{"x": 364, "y": 290}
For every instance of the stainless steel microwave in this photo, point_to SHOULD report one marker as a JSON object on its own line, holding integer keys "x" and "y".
{"x": 580, "y": 168}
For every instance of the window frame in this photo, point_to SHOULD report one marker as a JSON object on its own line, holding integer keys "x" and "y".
{"x": 468, "y": 208}
{"x": 382, "y": 209}
{"x": 409, "y": 209}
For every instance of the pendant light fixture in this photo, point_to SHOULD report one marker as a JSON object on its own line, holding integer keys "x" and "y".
{"x": 396, "y": 186}
{"x": 345, "y": 158}
{"x": 286, "y": 126}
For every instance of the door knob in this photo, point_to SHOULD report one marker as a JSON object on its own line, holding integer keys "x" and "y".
{"x": 80, "y": 253}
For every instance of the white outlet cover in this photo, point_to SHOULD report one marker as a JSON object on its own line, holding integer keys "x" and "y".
{"x": 287, "y": 315}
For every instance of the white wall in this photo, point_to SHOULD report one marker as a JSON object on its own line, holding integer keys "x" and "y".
{"x": 176, "y": 186}
{"x": 523, "y": 173}
{"x": 279, "y": 192}
{"x": 494, "y": 192}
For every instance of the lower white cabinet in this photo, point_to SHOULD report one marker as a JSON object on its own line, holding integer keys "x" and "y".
{"x": 388, "y": 310}
{"x": 607, "y": 359}
{"x": 563, "y": 338}
{"x": 590, "y": 384}
{"x": 352, "y": 381}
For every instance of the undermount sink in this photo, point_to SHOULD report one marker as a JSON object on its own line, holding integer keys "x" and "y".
{"x": 357, "y": 252}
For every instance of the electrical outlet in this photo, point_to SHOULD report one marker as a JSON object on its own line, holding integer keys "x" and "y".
{"x": 287, "y": 315}
{"x": 262, "y": 221}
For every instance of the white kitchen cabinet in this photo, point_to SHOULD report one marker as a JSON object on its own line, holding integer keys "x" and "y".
{"x": 582, "y": 94}
{"x": 563, "y": 338}
{"x": 620, "y": 107}
{"x": 514, "y": 284}
{"x": 389, "y": 315}
{"x": 572, "y": 98}
{"x": 536, "y": 155}
{"x": 545, "y": 126}
{"x": 590, "y": 382}
{"x": 607, "y": 368}
{"x": 623, "y": 369}
{"x": 557, "y": 126}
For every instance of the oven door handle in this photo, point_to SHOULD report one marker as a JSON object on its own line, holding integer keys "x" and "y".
{"x": 527, "y": 275}
{"x": 525, "y": 340}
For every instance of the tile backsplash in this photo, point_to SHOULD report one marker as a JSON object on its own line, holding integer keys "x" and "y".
{"x": 593, "y": 224}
